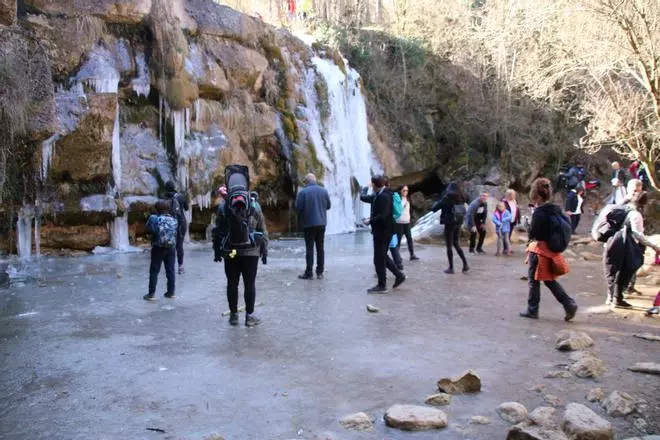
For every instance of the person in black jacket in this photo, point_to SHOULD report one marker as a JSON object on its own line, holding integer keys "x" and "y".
{"x": 447, "y": 204}
{"x": 382, "y": 228}
{"x": 179, "y": 205}
{"x": 574, "y": 203}
{"x": 477, "y": 215}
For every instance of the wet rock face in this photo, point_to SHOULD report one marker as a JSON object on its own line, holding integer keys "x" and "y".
{"x": 222, "y": 21}
{"x": 244, "y": 67}
{"x": 468, "y": 382}
{"x": 415, "y": 418}
{"x": 7, "y": 12}
{"x": 82, "y": 238}
{"x": 581, "y": 423}
{"x": 144, "y": 161}
{"x": 113, "y": 11}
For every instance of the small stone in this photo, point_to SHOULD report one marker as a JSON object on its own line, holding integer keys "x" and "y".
{"x": 558, "y": 375}
{"x": 544, "y": 416}
{"x": 581, "y": 423}
{"x": 596, "y": 395}
{"x": 438, "y": 399}
{"x": 512, "y": 412}
{"x": 415, "y": 418}
{"x": 619, "y": 404}
{"x": 647, "y": 336}
{"x": 640, "y": 424}
{"x": 588, "y": 366}
{"x": 571, "y": 340}
{"x": 525, "y": 431}
{"x": 469, "y": 382}
{"x": 480, "y": 420}
{"x": 646, "y": 367}
{"x": 552, "y": 400}
{"x": 539, "y": 387}
{"x": 357, "y": 422}
{"x": 372, "y": 309}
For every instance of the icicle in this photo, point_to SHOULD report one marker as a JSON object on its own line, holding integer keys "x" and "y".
{"x": 119, "y": 233}
{"x": 160, "y": 119}
{"x": 47, "y": 148}
{"x": 203, "y": 201}
{"x": 116, "y": 153}
{"x": 37, "y": 236}
{"x": 100, "y": 71}
{"x": 141, "y": 84}
{"x": 24, "y": 233}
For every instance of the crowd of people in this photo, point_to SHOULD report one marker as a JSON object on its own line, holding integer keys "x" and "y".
{"x": 240, "y": 237}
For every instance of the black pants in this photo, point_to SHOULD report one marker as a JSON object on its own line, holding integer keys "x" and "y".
{"x": 382, "y": 261}
{"x": 315, "y": 236}
{"x": 535, "y": 288}
{"x": 481, "y": 233}
{"x": 618, "y": 280}
{"x": 234, "y": 268}
{"x": 180, "y": 236}
{"x": 452, "y": 234}
{"x": 401, "y": 230}
{"x": 160, "y": 256}
{"x": 575, "y": 221}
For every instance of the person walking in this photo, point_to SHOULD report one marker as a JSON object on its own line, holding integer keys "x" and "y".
{"x": 178, "y": 208}
{"x": 382, "y": 229}
{"x": 574, "y": 203}
{"x": 511, "y": 203}
{"x": 313, "y": 203}
{"x": 163, "y": 229}
{"x": 502, "y": 221}
{"x": 619, "y": 181}
{"x": 403, "y": 223}
{"x": 477, "y": 214}
{"x": 452, "y": 207}
{"x": 545, "y": 265}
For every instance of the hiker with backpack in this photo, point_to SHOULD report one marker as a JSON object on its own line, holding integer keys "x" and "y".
{"x": 163, "y": 229}
{"x": 240, "y": 238}
{"x": 452, "y": 215}
{"x": 403, "y": 222}
{"x": 621, "y": 228}
{"x": 549, "y": 235}
{"x": 382, "y": 229}
{"x": 178, "y": 208}
{"x": 477, "y": 215}
{"x": 313, "y": 203}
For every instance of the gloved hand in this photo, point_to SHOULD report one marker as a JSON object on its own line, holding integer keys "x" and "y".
{"x": 217, "y": 259}
{"x": 264, "y": 259}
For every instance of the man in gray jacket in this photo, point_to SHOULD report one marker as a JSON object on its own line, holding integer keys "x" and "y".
{"x": 312, "y": 203}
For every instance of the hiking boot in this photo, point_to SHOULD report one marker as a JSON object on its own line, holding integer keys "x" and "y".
{"x": 414, "y": 258}
{"x": 182, "y": 270}
{"x": 622, "y": 305}
{"x": 377, "y": 289}
{"x": 170, "y": 295}
{"x": 466, "y": 268}
{"x": 529, "y": 315}
{"x": 450, "y": 270}
{"x": 233, "y": 319}
{"x": 251, "y": 320}
{"x": 319, "y": 276}
{"x": 306, "y": 276}
{"x": 149, "y": 297}
{"x": 399, "y": 281}
{"x": 570, "y": 312}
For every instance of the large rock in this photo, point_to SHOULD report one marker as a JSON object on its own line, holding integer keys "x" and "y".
{"x": 206, "y": 73}
{"x": 534, "y": 432}
{"x": 581, "y": 423}
{"x": 571, "y": 340}
{"x": 82, "y": 238}
{"x": 588, "y": 366}
{"x": 357, "y": 422}
{"x": 7, "y": 12}
{"x": 244, "y": 67}
{"x": 415, "y": 418}
{"x": 595, "y": 395}
{"x": 27, "y": 83}
{"x": 619, "y": 404}
{"x": 223, "y": 21}
{"x": 544, "y": 416}
{"x": 144, "y": 161}
{"x": 646, "y": 367}
{"x": 438, "y": 399}
{"x": 115, "y": 11}
{"x": 468, "y": 382}
{"x": 512, "y": 412}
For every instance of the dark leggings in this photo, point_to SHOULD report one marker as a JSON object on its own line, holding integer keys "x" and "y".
{"x": 180, "y": 236}
{"x": 452, "y": 233}
{"x": 404, "y": 229}
{"x": 234, "y": 268}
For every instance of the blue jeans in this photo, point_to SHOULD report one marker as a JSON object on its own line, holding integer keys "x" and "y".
{"x": 161, "y": 256}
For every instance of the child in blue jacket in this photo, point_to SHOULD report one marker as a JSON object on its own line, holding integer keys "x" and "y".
{"x": 502, "y": 220}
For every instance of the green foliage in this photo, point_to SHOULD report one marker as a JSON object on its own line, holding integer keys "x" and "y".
{"x": 323, "y": 103}
{"x": 289, "y": 125}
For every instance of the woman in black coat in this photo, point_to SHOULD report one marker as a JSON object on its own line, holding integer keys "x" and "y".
{"x": 452, "y": 205}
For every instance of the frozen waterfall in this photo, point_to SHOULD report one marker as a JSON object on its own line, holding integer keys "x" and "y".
{"x": 341, "y": 141}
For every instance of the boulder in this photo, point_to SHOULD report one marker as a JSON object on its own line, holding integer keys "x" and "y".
{"x": 646, "y": 367}
{"x": 243, "y": 66}
{"x": 82, "y": 237}
{"x": 222, "y": 21}
{"x": 544, "y": 416}
{"x": 206, "y": 73}
{"x": 512, "y": 412}
{"x": 596, "y": 395}
{"x": 357, "y": 422}
{"x": 571, "y": 340}
{"x": 113, "y": 11}
{"x": 588, "y": 366}
{"x": 581, "y": 423}
{"x": 8, "y": 12}
{"x": 468, "y": 382}
{"x": 415, "y": 418}
{"x": 438, "y": 399}
{"x": 619, "y": 404}
{"x": 480, "y": 420}
{"x": 533, "y": 432}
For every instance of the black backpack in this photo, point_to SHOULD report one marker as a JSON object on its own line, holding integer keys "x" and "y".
{"x": 609, "y": 221}
{"x": 560, "y": 232}
{"x": 238, "y": 208}
{"x": 459, "y": 213}
{"x": 177, "y": 211}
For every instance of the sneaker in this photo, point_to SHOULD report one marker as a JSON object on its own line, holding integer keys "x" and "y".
{"x": 466, "y": 268}
{"x": 306, "y": 276}
{"x": 251, "y": 320}
{"x": 471, "y": 251}
{"x": 633, "y": 290}
{"x": 622, "y": 305}
{"x": 481, "y": 252}
{"x": 414, "y": 258}
{"x": 182, "y": 270}
{"x": 449, "y": 271}
{"x": 608, "y": 301}
{"x": 529, "y": 315}
{"x": 377, "y": 289}
{"x": 170, "y": 295}
{"x": 319, "y": 276}
{"x": 233, "y": 319}
{"x": 570, "y": 312}
{"x": 149, "y": 297}
{"x": 399, "y": 281}
{"x": 653, "y": 311}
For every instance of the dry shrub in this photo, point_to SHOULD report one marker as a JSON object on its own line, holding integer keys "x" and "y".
{"x": 270, "y": 87}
